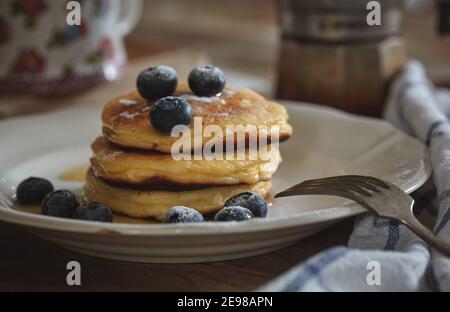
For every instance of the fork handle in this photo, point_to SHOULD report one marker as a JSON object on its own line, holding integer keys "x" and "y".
{"x": 424, "y": 233}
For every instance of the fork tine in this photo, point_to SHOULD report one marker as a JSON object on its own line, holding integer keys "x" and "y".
{"x": 314, "y": 190}
{"x": 328, "y": 189}
{"x": 324, "y": 188}
{"x": 349, "y": 182}
{"x": 346, "y": 186}
{"x": 364, "y": 179}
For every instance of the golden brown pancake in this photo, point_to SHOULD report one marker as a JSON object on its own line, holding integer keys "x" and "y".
{"x": 126, "y": 118}
{"x": 152, "y": 203}
{"x": 142, "y": 168}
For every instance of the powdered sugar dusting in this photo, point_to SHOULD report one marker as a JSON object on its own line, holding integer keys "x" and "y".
{"x": 127, "y": 102}
{"x": 228, "y": 92}
{"x": 111, "y": 156}
{"x": 203, "y": 99}
{"x": 128, "y": 115}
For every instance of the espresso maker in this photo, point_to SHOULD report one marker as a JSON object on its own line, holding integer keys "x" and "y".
{"x": 331, "y": 55}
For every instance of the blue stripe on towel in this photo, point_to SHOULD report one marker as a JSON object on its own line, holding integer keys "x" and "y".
{"x": 443, "y": 222}
{"x": 393, "y": 231}
{"x": 313, "y": 267}
{"x": 393, "y": 235}
{"x": 323, "y": 284}
{"x": 444, "y": 195}
{"x": 433, "y": 126}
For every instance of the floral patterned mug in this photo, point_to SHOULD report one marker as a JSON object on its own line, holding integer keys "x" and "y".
{"x": 41, "y": 52}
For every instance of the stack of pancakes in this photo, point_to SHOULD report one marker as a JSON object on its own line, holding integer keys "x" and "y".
{"x": 133, "y": 171}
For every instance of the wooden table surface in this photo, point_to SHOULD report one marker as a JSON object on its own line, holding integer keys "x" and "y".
{"x": 28, "y": 263}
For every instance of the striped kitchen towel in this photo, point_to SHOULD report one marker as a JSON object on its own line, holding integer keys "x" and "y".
{"x": 383, "y": 255}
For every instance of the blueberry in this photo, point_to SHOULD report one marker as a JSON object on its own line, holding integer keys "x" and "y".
{"x": 250, "y": 200}
{"x": 181, "y": 214}
{"x": 169, "y": 112}
{"x": 206, "y": 80}
{"x": 33, "y": 190}
{"x": 93, "y": 211}
{"x": 156, "y": 82}
{"x": 60, "y": 203}
{"x": 233, "y": 213}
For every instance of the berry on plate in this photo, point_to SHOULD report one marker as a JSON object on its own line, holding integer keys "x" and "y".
{"x": 181, "y": 214}
{"x": 93, "y": 211}
{"x": 233, "y": 213}
{"x": 250, "y": 200}
{"x": 33, "y": 190}
{"x": 60, "y": 203}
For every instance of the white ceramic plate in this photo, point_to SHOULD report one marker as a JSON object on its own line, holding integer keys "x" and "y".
{"x": 325, "y": 142}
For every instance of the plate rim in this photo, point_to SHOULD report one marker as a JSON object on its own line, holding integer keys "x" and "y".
{"x": 336, "y": 213}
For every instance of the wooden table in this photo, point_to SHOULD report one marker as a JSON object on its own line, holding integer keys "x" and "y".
{"x": 28, "y": 263}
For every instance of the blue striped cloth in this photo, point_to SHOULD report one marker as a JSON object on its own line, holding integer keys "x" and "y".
{"x": 383, "y": 255}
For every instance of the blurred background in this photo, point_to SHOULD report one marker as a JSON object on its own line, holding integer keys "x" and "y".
{"x": 274, "y": 47}
{"x": 244, "y": 35}
{"x": 240, "y": 36}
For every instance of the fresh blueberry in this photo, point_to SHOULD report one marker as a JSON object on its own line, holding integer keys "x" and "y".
{"x": 33, "y": 190}
{"x": 233, "y": 213}
{"x": 59, "y": 203}
{"x": 156, "y": 82}
{"x": 206, "y": 80}
{"x": 181, "y": 214}
{"x": 250, "y": 200}
{"x": 169, "y": 112}
{"x": 93, "y": 211}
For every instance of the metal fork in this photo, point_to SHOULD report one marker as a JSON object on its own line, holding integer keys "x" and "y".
{"x": 380, "y": 197}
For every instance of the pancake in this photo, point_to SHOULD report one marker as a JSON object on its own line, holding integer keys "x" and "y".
{"x": 141, "y": 204}
{"x": 126, "y": 118}
{"x": 149, "y": 168}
